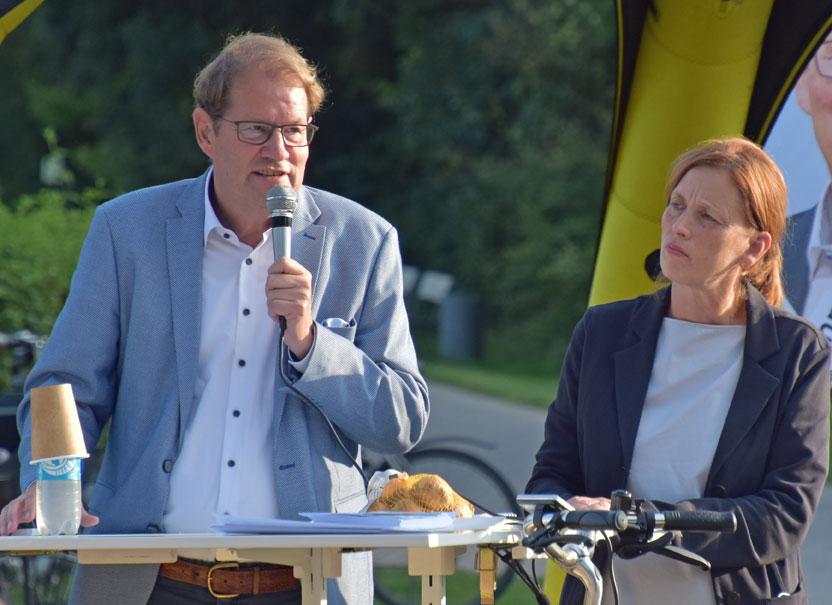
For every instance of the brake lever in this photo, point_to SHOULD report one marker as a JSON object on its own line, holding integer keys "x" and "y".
{"x": 683, "y": 555}
{"x": 632, "y": 549}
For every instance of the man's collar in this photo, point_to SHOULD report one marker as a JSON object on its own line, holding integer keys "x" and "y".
{"x": 211, "y": 220}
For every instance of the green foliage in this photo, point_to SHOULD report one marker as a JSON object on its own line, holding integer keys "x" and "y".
{"x": 502, "y": 121}
{"x": 479, "y": 128}
{"x": 40, "y": 239}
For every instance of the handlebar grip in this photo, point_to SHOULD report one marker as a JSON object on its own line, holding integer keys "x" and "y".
{"x": 700, "y": 520}
{"x": 594, "y": 519}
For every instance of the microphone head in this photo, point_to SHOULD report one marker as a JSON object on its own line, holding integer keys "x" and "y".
{"x": 281, "y": 201}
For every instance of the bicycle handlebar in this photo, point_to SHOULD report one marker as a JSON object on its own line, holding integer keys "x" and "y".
{"x": 568, "y": 536}
{"x": 593, "y": 519}
{"x": 699, "y": 520}
{"x": 618, "y": 520}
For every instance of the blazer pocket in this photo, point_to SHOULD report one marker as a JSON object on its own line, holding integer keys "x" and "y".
{"x": 352, "y": 503}
{"x": 347, "y": 332}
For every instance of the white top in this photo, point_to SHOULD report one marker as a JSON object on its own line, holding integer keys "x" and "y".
{"x": 226, "y": 462}
{"x": 695, "y": 374}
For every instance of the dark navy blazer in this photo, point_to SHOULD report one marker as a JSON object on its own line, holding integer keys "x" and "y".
{"x": 771, "y": 460}
{"x": 795, "y": 263}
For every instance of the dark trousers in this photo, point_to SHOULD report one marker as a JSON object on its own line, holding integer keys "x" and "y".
{"x": 171, "y": 592}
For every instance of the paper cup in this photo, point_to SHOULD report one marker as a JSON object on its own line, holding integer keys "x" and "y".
{"x": 56, "y": 430}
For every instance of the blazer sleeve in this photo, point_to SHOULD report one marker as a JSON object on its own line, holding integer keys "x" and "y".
{"x": 83, "y": 347}
{"x": 773, "y": 522}
{"x": 557, "y": 469}
{"x": 369, "y": 385}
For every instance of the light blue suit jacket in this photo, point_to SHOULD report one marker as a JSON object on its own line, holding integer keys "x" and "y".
{"x": 128, "y": 339}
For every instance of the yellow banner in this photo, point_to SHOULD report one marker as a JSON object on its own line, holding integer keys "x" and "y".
{"x": 15, "y": 16}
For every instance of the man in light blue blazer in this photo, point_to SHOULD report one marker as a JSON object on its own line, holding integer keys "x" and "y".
{"x": 170, "y": 333}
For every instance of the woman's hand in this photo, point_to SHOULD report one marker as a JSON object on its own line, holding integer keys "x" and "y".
{"x": 587, "y": 503}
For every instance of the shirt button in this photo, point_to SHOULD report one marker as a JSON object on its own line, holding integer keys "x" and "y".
{"x": 246, "y": 312}
{"x": 249, "y": 261}
{"x": 236, "y": 413}
{"x": 167, "y": 466}
{"x": 226, "y": 235}
{"x": 719, "y": 491}
{"x": 242, "y": 363}
{"x": 231, "y": 463}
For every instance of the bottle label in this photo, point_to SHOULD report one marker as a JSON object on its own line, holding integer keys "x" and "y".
{"x": 60, "y": 469}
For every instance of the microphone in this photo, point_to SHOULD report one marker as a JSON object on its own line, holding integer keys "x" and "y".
{"x": 281, "y": 202}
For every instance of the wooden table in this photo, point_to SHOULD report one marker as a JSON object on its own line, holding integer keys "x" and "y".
{"x": 315, "y": 557}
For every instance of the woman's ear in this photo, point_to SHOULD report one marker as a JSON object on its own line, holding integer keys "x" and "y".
{"x": 759, "y": 244}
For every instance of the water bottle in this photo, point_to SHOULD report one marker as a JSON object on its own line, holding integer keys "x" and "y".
{"x": 58, "y": 499}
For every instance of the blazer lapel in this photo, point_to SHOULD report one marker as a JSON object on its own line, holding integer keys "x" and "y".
{"x": 755, "y": 385}
{"x": 184, "y": 254}
{"x": 308, "y": 240}
{"x": 307, "y": 249}
{"x": 633, "y": 367}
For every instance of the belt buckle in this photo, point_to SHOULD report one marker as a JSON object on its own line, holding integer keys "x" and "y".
{"x": 215, "y": 567}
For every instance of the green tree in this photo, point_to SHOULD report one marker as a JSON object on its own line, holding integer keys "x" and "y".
{"x": 502, "y": 118}
{"x": 478, "y": 127}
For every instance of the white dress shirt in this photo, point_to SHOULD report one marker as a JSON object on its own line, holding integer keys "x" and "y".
{"x": 226, "y": 462}
{"x": 692, "y": 383}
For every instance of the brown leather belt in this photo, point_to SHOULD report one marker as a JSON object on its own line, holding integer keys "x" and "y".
{"x": 229, "y": 580}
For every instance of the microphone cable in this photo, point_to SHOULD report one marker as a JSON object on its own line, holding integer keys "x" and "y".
{"x": 311, "y": 402}
{"x": 353, "y": 461}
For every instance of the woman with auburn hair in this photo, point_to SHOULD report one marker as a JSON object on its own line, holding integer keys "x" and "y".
{"x": 702, "y": 396}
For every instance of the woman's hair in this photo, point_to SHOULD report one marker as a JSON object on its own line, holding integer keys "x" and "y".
{"x": 270, "y": 53}
{"x": 762, "y": 189}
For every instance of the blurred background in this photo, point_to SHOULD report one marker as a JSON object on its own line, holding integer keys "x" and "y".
{"x": 479, "y": 128}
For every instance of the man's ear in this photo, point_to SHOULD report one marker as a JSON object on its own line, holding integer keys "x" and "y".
{"x": 204, "y": 131}
{"x": 801, "y": 89}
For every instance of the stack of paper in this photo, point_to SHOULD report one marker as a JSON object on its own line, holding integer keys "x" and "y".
{"x": 355, "y": 523}
{"x": 386, "y": 521}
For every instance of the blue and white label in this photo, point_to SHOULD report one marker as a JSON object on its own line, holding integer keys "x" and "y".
{"x": 60, "y": 469}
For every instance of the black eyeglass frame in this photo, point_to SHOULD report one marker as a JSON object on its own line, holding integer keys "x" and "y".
{"x": 311, "y": 129}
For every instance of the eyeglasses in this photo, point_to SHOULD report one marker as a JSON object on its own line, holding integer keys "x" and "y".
{"x": 257, "y": 133}
{"x": 823, "y": 59}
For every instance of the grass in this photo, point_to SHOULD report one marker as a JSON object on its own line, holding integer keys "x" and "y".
{"x": 461, "y": 588}
{"x": 522, "y": 387}
{"x": 503, "y": 372}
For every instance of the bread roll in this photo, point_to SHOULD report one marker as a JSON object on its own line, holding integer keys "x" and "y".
{"x": 421, "y": 493}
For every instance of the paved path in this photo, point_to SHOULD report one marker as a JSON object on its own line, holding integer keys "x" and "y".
{"x": 514, "y": 433}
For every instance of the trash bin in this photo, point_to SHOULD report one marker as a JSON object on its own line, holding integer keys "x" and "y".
{"x": 460, "y": 327}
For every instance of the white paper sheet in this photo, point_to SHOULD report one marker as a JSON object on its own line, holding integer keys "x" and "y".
{"x": 354, "y": 523}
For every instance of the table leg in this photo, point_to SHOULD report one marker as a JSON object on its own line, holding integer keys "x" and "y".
{"x": 312, "y": 580}
{"x": 433, "y": 590}
{"x": 433, "y": 565}
{"x": 487, "y": 566}
{"x": 312, "y": 566}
